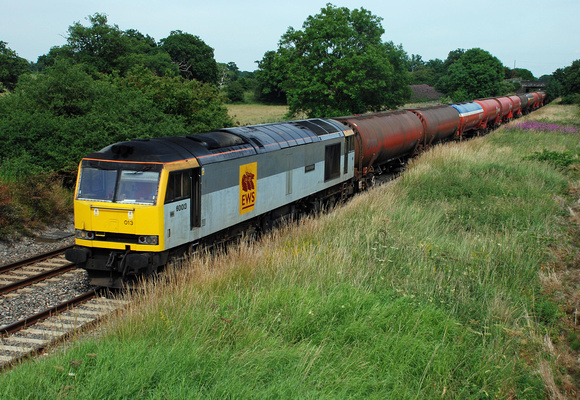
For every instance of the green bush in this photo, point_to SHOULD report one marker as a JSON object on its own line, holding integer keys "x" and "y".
{"x": 54, "y": 119}
{"x": 235, "y": 92}
{"x": 560, "y": 159}
{"x": 571, "y": 99}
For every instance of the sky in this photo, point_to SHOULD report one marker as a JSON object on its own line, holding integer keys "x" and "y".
{"x": 538, "y": 35}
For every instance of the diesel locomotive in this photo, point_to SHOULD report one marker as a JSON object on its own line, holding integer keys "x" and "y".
{"x": 141, "y": 202}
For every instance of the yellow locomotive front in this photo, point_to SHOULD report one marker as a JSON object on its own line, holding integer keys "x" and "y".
{"x": 118, "y": 220}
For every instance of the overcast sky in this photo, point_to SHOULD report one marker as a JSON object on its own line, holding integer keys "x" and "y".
{"x": 538, "y": 35}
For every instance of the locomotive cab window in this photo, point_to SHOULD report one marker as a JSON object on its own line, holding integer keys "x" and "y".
{"x": 137, "y": 187}
{"x": 332, "y": 162}
{"x": 112, "y": 183}
{"x": 349, "y": 147}
{"x": 182, "y": 185}
{"x": 178, "y": 186}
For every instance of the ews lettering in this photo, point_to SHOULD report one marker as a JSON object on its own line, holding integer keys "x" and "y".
{"x": 248, "y": 187}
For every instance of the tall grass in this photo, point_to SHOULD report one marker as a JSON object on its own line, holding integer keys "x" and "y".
{"x": 428, "y": 287}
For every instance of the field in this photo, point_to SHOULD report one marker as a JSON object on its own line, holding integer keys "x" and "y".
{"x": 454, "y": 281}
{"x": 254, "y": 114}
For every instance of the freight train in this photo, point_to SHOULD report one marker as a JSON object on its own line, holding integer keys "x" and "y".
{"x": 140, "y": 203}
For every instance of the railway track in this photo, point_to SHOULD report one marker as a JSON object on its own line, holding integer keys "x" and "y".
{"x": 35, "y": 333}
{"x": 27, "y": 272}
{"x": 28, "y": 286}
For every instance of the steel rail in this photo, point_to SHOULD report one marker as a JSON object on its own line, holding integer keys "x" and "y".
{"x": 31, "y": 260}
{"x": 36, "y": 278}
{"x": 16, "y": 326}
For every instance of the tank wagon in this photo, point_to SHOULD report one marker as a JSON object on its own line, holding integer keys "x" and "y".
{"x": 140, "y": 203}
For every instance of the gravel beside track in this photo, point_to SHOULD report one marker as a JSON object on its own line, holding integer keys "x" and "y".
{"x": 26, "y": 302}
{"x": 19, "y": 248}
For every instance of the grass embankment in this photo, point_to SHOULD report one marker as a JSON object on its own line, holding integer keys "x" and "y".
{"x": 32, "y": 202}
{"x": 430, "y": 287}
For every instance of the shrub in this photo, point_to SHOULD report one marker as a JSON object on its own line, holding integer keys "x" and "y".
{"x": 52, "y": 120}
{"x": 7, "y": 212}
{"x": 571, "y": 99}
{"x": 32, "y": 202}
{"x": 235, "y": 92}
{"x": 557, "y": 158}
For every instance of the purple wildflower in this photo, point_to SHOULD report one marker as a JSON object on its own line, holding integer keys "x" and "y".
{"x": 543, "y": 126}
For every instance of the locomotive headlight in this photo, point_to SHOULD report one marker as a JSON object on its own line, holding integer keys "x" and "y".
{"x": 152, "y": 240}
{"x": 86, "y": 235}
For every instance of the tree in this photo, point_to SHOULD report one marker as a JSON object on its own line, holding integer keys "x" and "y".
{"x": 442, "y": 83}
{"x": 452, "y": 57}
{"x": 427, "y": 73}
{"x": 53, "y": 119}
{"x": 475, "y": 74}
{"x": 519, "y": 73}
{"x": 235, "y": 92}
{"x": 105, "y": 49}
{"x": 338, "y": 65}
{"x": 11, "y": 67}
{"x": 271, "y": 77}
{"x": 553, "y": 87}
{"x": 194, "y": 58}
{"x": 227, "y": 73}
{"x": 99, "y": 45}
{"x": 571, "y": 83}
{"x": 415, "y": 62}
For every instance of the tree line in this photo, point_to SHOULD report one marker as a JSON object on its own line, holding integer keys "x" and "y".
{"x": 337, "y": 64}
{"x": 103, "y": 86}
{"x": 107, "y": 85}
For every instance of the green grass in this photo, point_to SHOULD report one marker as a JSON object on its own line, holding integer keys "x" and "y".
{"x": 429, "y": 287}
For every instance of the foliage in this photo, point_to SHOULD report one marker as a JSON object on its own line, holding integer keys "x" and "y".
{"x": 566, "y": 82}
{"x": 106, "y": 49}
{"x": 476, "y": 74}
{"x": 193, "y": 56}
{"x": 571, "y": 99}
{"x": 338, "y": 65}
{"x": 427, "y": 73}
{"x": 557, "y": 158}
{"x": 56, "y": 118}
{"x": 235, "y": 92}
{"x": 227, "y": 73}
{"x": 271, "y": 76}
{"x": 572, "y": 80}
{"x": 521, "y": 73}
{"x": 553, "y": 88}
{"x": 11, "y": 67}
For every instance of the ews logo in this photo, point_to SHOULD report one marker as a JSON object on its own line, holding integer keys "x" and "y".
{"x": 248, "y": 184}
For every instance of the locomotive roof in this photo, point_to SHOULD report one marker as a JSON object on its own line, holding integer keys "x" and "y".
{"x": 223, "y": 144}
